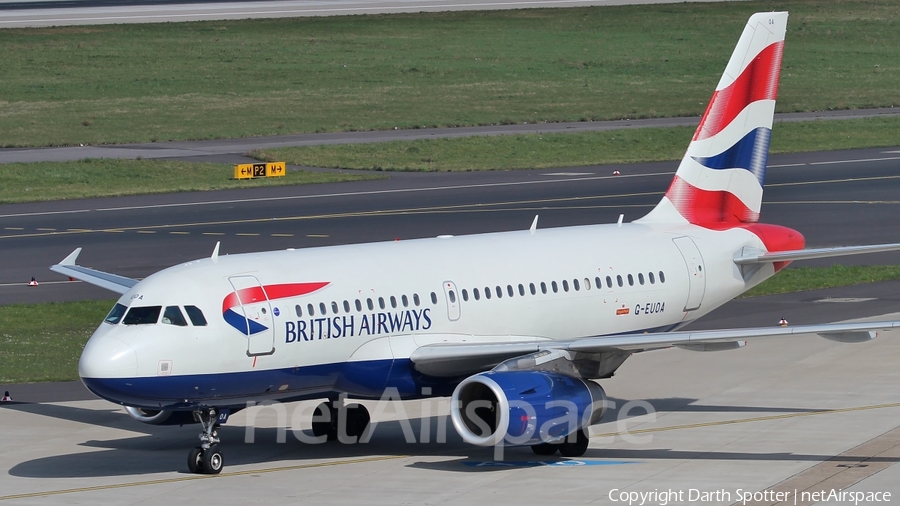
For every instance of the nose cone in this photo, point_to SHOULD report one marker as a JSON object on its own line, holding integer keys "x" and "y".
{"x": 107, "y": 357}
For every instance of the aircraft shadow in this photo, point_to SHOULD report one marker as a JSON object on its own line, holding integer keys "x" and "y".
{"x": 160, "y": 449}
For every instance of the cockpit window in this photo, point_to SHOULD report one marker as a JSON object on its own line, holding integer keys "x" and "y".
{"x": 195, "y": 315}
{"x": 172, "y": 316}
{"x": 142, "y": 315}
{"x": 115, "y": 316}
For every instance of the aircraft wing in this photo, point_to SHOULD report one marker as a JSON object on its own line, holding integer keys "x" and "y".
{"x": 113, "y": 282}
{"x": 446, "y": 360}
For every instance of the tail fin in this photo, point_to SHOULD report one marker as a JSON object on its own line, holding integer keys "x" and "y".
{"x": 719, "y": 182}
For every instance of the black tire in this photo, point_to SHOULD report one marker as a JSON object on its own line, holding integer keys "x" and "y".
{"x": 357, "y": 420}
{"x": 320, "y": 428}
{"x": 577, "y": 448}
{"x": 212, "y": 461}
{"x": 195, "y": 461}
{"x": 545, "y": 448}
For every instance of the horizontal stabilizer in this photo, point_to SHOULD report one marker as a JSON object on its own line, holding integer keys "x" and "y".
{"x": 112, "y": 282}
{"x": 809, "y": 254}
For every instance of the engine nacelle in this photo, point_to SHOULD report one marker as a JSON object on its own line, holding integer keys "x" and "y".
{"x": 524, "y": 407}
{"x": 160, "y": 417}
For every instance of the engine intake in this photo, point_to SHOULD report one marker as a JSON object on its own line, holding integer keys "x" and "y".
{"x": 524, "y": 407}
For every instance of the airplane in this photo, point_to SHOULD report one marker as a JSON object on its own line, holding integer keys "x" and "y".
{"x": 514, "y": 326}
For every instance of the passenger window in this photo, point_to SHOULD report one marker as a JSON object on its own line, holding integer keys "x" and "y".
{"x": 433, "y": 298}
{"x": 393, "y": 301}
{"x": 452, "y": 296}
{"x": 499, "y": 292}
{"x": 587, "y": 284}
{"x": 630, "y": 280}
{"x": 641, "y": 278}
{"x": 310, "y": 309}
{"x": 416, "y": 299}
{"x": 346, "y": 306}
{"x": 652, "y": 279}
{"x": 531, "y": 288}
{"x": 554, "y": 286}
{"x": 521, "y": 289}
{"x": 619, "y": 280}
{"x": 370, "y": 305}
{"x": 487, "y": 293}
{"x": 509, "y": 290}
{"x": 565, "y": 285}
{"x": 196, "y": 316}
{"x": 299, "y": 311}
{"x": 405, "y": 300}
{"x": 358, "y": 305}
{"x": 115, "y": 314}
{"x": 575, "y": 285}
{"x": 476, "y": 294}
{"x": 172, "y": 316}
{"x": 598, "y": 283}
{"x": 543, "y": 287}
{"x": 323, "y": 310}
{"x": 465, "y": 295}
{"x": 662, "y": 277}
{"x": 142, "y": 315}
{"x": 381, "y": 302}
{"x": 608, "y": 282}
{"x": 334, "y": 307}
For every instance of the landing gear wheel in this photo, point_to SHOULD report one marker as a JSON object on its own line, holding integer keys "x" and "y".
{"x": 357, "y": 420}
{"x": 212, "y": 461}
{"x": 195, "y": 460}
{"x": 577, "y": 448}
{"x": 545, "y": 448}
{"x": 325, "y": 428}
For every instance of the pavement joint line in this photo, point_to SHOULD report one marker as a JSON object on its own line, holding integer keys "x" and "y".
{"x": 282, "y": 235}
{"x": 750, "y": 420}
{"x": 201, "y": 477}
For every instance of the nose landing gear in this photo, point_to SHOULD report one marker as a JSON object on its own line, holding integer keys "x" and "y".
{"x": 206, "y": 458}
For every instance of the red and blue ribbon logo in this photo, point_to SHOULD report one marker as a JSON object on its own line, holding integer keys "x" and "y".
{"x": 255, "y": 294}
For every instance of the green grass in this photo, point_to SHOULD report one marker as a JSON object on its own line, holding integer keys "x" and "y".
{"x": 29, "y": 182}
{"x": 42, "y": 342}
{"x": 532, "y": 151}
{"x": 801, "y": 279}
{"x": 217, "y": 79}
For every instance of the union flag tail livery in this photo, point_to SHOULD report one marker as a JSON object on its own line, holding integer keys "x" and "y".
{"x": 517, "y": 326}
{"x": 719, "y": 183}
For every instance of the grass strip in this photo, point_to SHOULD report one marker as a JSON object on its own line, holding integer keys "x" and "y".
{"x": 42, "y": 342}
{"x": 529, "y": 151}
{"x": 801, "y": 279}
{"x": 41, "y": 181}
{"x": 223, "y": 79}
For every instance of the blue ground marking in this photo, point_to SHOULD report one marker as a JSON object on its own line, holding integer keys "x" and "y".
{"x": 547, "y": 463}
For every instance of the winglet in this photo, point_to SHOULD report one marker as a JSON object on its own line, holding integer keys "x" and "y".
{"x": 73, "y": 256}
{"x": 215, "y": 253}
{"x": 533, "y": 228}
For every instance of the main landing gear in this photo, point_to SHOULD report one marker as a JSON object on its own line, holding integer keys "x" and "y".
{"x": 206, "y": 458}
{"x": 337, "y": 422}
{"x": 565, "y": 447}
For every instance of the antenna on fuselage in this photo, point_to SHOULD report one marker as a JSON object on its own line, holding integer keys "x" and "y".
{"x": 533, "y": 224}
{"x": 215, "y": 255}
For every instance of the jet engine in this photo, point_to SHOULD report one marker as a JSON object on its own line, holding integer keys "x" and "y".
{"x": 160, "y": 417}
{"x": 524, "y": 407}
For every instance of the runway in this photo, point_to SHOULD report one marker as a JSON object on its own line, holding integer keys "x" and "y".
{"x": 26, "y": 13}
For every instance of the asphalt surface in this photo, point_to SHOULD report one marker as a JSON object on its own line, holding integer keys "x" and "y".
{"x": 19, "y": 13}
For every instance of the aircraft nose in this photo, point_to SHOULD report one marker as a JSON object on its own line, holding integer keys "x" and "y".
{"x": 107, "y": 357}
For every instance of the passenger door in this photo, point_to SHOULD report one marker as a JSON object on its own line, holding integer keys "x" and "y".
{"x": 257, "y": 312}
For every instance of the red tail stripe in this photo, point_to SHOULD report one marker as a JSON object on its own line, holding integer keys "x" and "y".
{"x": 707, "y": 208}
{"x": 758, "y": 81}
{"x": 256, "y": 293}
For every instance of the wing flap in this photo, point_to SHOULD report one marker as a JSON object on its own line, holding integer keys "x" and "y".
{"x": 112, "y": 282}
